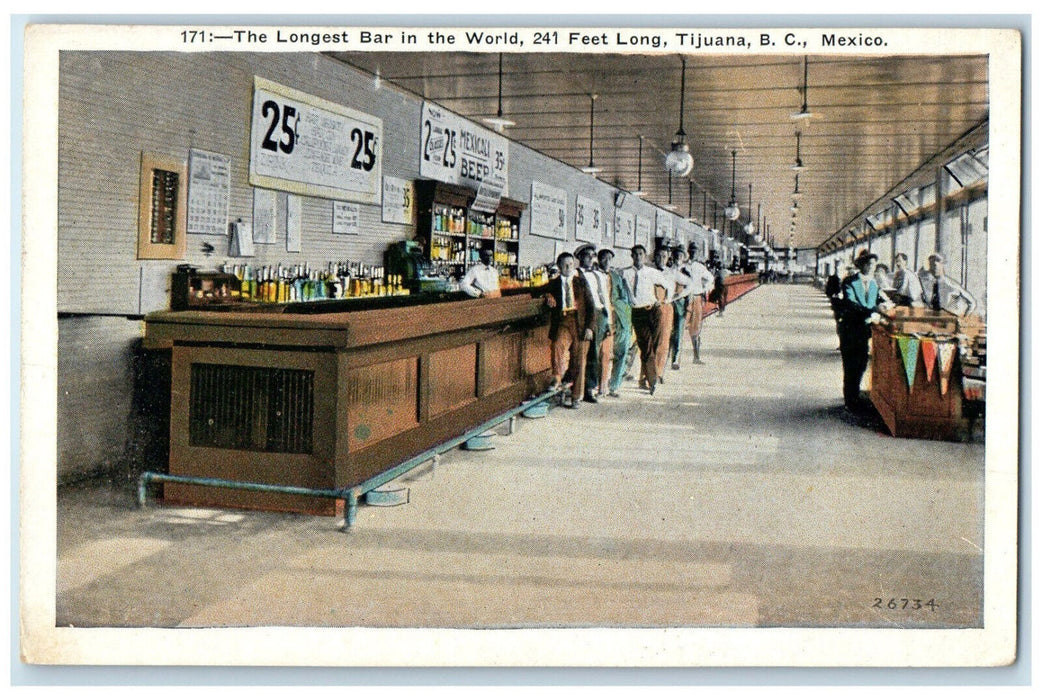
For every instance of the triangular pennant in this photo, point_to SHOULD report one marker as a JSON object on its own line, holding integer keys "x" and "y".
{"x": 945, "y": 360}
{"x": 909, "y": 355}
{"x": 929, "y": 357}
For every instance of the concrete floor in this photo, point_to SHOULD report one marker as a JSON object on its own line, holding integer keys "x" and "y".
{"x": 739, "y": 495}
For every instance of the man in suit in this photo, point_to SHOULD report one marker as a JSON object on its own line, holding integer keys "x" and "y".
{"x": 599, "y": 348}
{"x": 862, "y": 305}
{"x": 571, "y": 326}
{"x": 941, "y": 292}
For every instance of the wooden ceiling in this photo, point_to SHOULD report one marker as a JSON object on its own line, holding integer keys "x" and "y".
{"x": 876, "y": 120}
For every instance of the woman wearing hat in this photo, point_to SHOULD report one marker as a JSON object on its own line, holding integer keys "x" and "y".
{"x": 862, "y": 302}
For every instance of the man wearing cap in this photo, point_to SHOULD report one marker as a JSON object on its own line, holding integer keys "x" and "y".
{"x": 908, "y": 289}
{"x": 862, "y": 303}
{"x": 571, "y": 325}
{"x": 643, "y": 282}
{"x": 599, "y": 346}
{"x": 482, "y": 279}
{"x": 942, "y": 292}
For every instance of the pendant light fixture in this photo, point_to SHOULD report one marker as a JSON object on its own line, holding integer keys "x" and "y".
{"x": 679, "y": 160}
{"x": 804, "y": 113}
{"x": 640, "y": 167}
{"x": 498, "y": 121}
{"x": 690, "y": 200}
{"x": 796, "y": 194}
{"x": 749, "y": 225}
{"x": 798, "y": 165}
{"x": 670, "y": 206}
{"x": 732, "y": 211}
{"x": 591, "y": 168}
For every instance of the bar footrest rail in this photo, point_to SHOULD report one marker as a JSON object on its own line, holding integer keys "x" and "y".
{"x": 350, "y": 495}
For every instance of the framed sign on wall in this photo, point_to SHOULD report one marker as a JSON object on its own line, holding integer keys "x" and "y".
{"x": 303, "y": 144}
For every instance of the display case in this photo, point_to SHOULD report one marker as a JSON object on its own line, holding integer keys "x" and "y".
{"x": 928, "y": 373}
{"x": 454, "y": 233}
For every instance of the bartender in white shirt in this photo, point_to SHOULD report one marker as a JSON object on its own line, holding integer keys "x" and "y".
{"x": 482, "y": 280}
{"x": 642, "y": 280}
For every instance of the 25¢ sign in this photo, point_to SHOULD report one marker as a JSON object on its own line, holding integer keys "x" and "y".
{"x": 303, "y": 144}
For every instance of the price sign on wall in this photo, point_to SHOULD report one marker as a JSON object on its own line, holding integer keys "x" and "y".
{"x": 625, "y": 229}
{"x": 587, "y": 220}
{"x": 644, "y": 232}
{"x": 398, "y": 201}
{"x": 663, "y": 225}
{"x": 456, "y": 151}
{"x": 304, "y": 144}
{"x": 549, "y": 211}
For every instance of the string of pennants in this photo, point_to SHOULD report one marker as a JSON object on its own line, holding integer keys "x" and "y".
{"x": 938, "y": 357}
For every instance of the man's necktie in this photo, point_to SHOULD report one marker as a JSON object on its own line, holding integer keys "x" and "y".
{"x": 937, "y": 295}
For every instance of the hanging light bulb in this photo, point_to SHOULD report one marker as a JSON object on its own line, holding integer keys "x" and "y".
{"x": 679, "y": 160}
{"x": 749, "y": 226}
{"x": 670, "y": 206}
{"x": 640, "y": 167}
{"x": 804, "y": 113}
{"x": 732, "y": 212}
{"x": 796, "y": 194}
{"x": 498, "y": 121}
{"x": 798, "y": 165}
{"x": 591, "y": 168}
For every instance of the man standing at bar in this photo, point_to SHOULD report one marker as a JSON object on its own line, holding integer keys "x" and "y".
{"x": 571, "y": 326}
{"x": 863, "y": 302}
{"x": 600, "y": 290}
{"x": 666, "y": 313}
{"x": 908, "y": 290}
{"x": 701, "y": 282}
{"x": 681, "y": 299}
{"x": 943, "y": 293}
{"x": 482, "y": 279}
{"x": 642, "y": 282}
{"x": 622, "y": 320}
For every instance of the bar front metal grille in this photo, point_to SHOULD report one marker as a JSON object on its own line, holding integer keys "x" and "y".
{"x": 251, "y": 408}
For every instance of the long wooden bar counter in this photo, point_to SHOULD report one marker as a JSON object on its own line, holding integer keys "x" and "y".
{"x": 326, "y": 396}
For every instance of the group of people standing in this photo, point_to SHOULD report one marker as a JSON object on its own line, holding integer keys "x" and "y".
{"x": 865, "y": 296}
{"x": 603, "y": 317}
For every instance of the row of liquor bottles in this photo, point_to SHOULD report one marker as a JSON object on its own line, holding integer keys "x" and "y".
{"x": 301, "y": 282}
{"x": 459, "y": 251}
{"x": 460, "y": 221}
{"x": 523, "y": 276}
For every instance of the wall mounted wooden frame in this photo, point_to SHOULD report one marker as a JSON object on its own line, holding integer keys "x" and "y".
{"x": 162, "y": 208}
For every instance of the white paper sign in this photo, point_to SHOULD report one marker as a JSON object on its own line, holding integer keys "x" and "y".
{"x": 398, "y": 199}
{"x": 625, "y": 229}
{"x": 241, "y": 244}
{"x": 663, "y": 225}
{"x": 588, "y": 223}
{"x": 304, "y": 144}
{"x": 264, "y": 207}
{"x": 643, "y": 232}
{"x": 294, "y": 222}
{"x": 209, "y": 190}
{"x": 347, "y": 218}
{"x": 549, "y": 212}
{"x": 456, "y": 151}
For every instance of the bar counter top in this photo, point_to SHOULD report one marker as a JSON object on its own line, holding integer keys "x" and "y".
{"x": 342, "y": 323}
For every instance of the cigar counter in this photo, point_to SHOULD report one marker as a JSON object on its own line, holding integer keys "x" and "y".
{"x": 323, "y": 396}
{"x": 928, "y": 373}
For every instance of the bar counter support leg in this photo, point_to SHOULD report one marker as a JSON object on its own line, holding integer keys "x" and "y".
{"x": 351, "y": 511}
